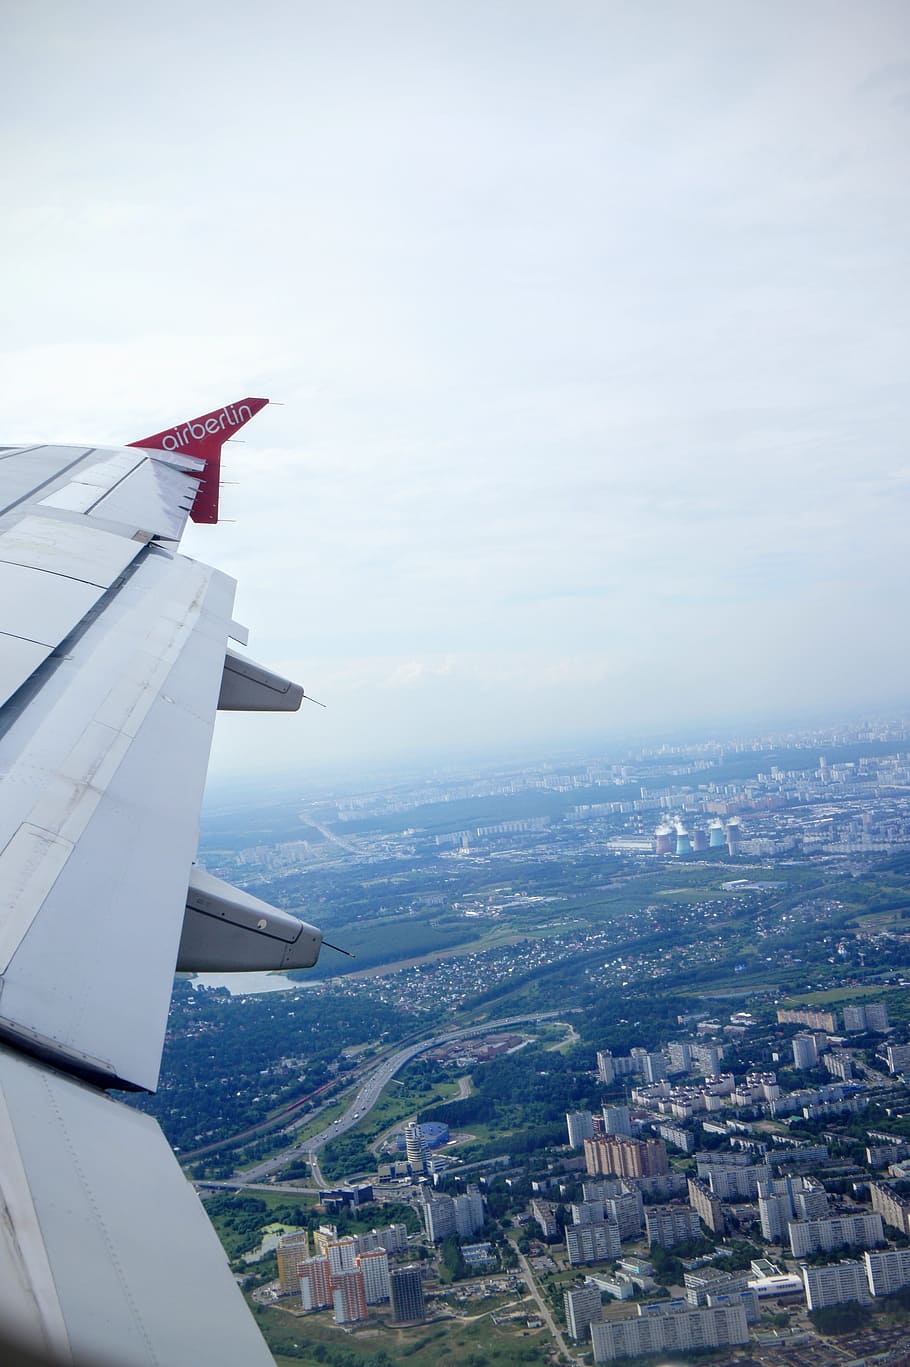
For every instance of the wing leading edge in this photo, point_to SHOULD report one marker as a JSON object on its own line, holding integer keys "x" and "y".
{"x": 113, "y": 662}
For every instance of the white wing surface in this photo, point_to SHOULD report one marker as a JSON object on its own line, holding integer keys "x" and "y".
{"x": 113, "y": 653}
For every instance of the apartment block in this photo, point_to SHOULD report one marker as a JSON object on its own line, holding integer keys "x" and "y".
{"x": 815, "y": 1236}
{"x": 657, "y": 1330}
{"x": 583, "y": 1307}
{"x": 348, "y": 1299}
{"x": 439, "y": 1216}
{"x": 835, "y": 1284}
{"x": 628, "y": 1211}
{"x": 597, "y": 1242}
{"x": 625, "y": 1157}
{"x": 887, "y": 1270}
{"x": 469, "y": 1214}
{"x": 869, "y": 1016}
{"x": 374, "y": 1267}
{"x": 679, "y": 1054}
{"x": 341, "y": 1254}
{"x": 707, "y": 1206}
{"x": 816, "y": 1020}
{"x": 393, "y": 1238}
{"x": 605, "y": 1066}
{"x": 292, "y": 1250}
{"x": 893, "y": 1208}
{"x": 669, "y": 1225}
{"x": 708, "y": 1057}
{"x": 674, "y": 1134}
{"x": 735, "y": 1184}
{"x": 710, "y": 1280}
{"x": 406, "y": 1294}
{"x": 586, "y": 1212}
{"x": 315, "y": 1284}
{"x": 617, "y": 1120}
{"x": 898, "y": 1056}
{"x": 805, "y": 1051}
{"x": 580, "y": 1125}
{"x": 544, "y": 1212}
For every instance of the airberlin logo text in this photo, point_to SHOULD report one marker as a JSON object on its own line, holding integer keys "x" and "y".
{"x": 195, "y": 431}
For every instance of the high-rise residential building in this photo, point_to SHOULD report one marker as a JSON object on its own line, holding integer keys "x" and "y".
{"x": 887, "y": 1270}
{"x": 710, "y": 1280}
{"x": 805, "y": 1051}
{"x": 783, "y": 1199}
{"x": 439, "y": 1216}
{"x": 835, "y": 1283}
{"x": 839, "y": 1064}
{"x": 815, "y": 1236}
{"x": 544, "y": 1212}
{"x": 406, "y": 1294}
{"x": 735, "y": 1184}
{"x": 675, "y": 1134}
{"x": 322, "y": 1237}
{"x": 679, "y": 1053}
{"x": 775, "y": 1211}
{"x": 877, "y": 1017}
{"x": 655, "y": 1067}
{"x": 315, "y": 1284}
{"x": 662, "y": 1325}
{"x": 348, "y": 1299}
{"x": 374, "y": 1267}
{"x": 869, "y": 1016}
{"x": 627, "y": 1210}
{"x": 580, "y": 1125}
{"x": 341, "y": 1254}
{"x": 597, "y": 1242}
{"x": 605, "y": 1066}
{"x": 584, "y": 1212}
{"x": 625, "y": 1157}
{"x": 393, "y": 1238}
{"x": 811, "y": 1200}
{"x": 669, "y": 1225}
{"x": 583, "y": 1307}
{"x": 898, "y": 1056}
{"x": 469, "y": 1214}
{"x": 893, "y": 1208}
{"x": 416, "y": 1149}
{"x": 708, "y": 1056}
{"x": 292, "y": 1250}
{"x": 617, "y": 1120}
{"x": 816, "y": 1020}
{"x": 707, "y": 1206}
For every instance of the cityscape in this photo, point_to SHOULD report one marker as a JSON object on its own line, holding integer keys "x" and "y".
{"x": 621, "y": 1066}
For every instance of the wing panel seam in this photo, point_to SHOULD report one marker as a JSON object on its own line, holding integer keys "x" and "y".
{"x": 50, "y": 480}
{"x": 99, "y": 1222}
{"x": 22, "y": 1219}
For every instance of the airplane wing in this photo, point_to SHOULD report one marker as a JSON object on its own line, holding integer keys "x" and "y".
{"x": 114, "y": 660}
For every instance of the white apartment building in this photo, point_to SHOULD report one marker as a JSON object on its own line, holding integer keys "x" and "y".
{"x": 835, "y": 1284}
{"x": 814, "y": 1236}
{"x": 597, "y": 1242}
{"x": 662, "y": 1327}
{"x": 375, "y": 1269}
{"x": 580, "y": 1125}
{"x": 887, "y": 1270}
{"x": 583, "y": 1308}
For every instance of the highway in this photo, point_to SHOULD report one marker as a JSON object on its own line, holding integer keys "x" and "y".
{"x": 376, "y": 1078}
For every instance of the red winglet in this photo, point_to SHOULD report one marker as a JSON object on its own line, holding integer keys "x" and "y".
{"x": 204, "y": 437}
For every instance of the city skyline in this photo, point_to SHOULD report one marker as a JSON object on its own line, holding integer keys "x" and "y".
{"x": 590, "y": 330}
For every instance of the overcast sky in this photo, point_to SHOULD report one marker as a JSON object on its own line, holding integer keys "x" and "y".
{"x": 590, "y": 321}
